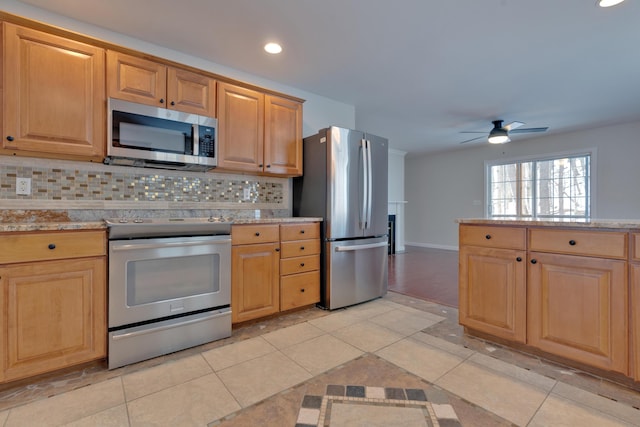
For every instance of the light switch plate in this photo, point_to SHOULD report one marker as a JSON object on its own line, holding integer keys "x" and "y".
{"x": 23, "y": 186}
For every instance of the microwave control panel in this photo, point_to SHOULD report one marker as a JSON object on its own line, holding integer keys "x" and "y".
{"x": 207, "y": 142}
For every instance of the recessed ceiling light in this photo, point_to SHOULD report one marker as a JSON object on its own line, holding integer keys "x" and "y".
{"x": 609, "y": 3}
{"x": 273, "y": 48}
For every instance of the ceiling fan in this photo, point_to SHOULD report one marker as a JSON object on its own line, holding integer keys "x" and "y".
{"x": 500, "y": 134}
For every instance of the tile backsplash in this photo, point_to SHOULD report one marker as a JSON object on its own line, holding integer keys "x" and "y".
{"x": 57, "y": 184}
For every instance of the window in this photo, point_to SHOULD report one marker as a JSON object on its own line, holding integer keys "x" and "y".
{"x": 558, "y": 187}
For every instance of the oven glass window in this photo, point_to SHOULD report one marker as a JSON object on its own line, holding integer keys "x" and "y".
{"x": 162, "y": 279}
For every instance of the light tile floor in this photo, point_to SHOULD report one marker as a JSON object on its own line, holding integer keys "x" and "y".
{"x": 259, "y": 375}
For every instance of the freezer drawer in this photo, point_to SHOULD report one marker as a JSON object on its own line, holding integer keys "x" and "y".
{"x": 356, "y": 271}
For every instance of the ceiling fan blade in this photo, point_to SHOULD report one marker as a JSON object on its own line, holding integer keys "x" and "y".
{"x": 529, "y": 130}
{"x": 472, "y": 139}
{"x": 473, "y": 131}
{"x": 513, "y": 125}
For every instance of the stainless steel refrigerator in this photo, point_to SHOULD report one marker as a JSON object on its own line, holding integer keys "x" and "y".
{"x": 345, "y": 182}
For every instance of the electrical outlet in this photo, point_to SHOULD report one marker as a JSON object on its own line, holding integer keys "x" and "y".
{"x": 246, "y": 193}
{"x": 23, "y": 186}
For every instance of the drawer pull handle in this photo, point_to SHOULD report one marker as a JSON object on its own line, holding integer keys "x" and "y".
{"x": 533, "y": 261}
{"x": 302, "y": 290}
{"x": 257, "y": 233}
{"x": 572, "y": 242}
{"x": 51, "y": 246}
{"x": 302, "y": 264}
{"x": 302, "y": 248}
{"x": 301, "y": 231}
{"x": 519, "y": 259}
{"x": 488, "y": 236}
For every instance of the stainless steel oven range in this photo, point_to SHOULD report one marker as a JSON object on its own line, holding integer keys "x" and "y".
{"x": 169, "y": 285}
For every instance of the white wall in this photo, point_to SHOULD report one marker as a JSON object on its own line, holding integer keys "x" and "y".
{"x": 396, "y": 195}
{"x": 318, "y": 112}
{"x": 442, "y": 187}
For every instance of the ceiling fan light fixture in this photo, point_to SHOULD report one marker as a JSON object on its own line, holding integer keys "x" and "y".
{"x": 609, "y": 3}
{"x": 498, "y": 134}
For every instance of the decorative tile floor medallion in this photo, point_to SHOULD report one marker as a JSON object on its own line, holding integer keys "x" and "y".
{"x": 373, "y": 406}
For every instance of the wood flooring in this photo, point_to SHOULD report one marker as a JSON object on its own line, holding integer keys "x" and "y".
{"x": 425, "y": 273}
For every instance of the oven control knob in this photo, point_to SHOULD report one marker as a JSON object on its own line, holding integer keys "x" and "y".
{"x": 123, "y": 220}
{"x": 137, "y": 220}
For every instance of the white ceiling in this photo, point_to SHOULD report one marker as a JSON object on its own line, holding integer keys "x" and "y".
{"x": 418, "y": 71}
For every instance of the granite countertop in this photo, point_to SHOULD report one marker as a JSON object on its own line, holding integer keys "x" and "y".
{"x": 578, "y": 223}
{"x": 101, "y": 225}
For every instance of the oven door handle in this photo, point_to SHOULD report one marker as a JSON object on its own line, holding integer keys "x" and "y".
{"x": 126, "y": 335}
{"x": 122, "y": 247}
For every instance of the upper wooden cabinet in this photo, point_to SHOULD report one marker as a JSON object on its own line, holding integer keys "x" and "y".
{"x": 257, "y": 132}
{"x": 147, "y": 82}
{"x": 54, "y": 96}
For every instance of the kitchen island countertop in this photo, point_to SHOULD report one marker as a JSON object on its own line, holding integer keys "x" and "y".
{"x": 577, "y": 223}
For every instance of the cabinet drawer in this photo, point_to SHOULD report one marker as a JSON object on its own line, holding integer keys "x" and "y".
{"x": 38, "y": 246}
{"x": 298, "y": 290}
{"x": 302, "y": 231}
{"x": 492, "y": 236}
{"x": 605, "y": 244}
{"x": 249, "y": 234}
{"x": 299, "y": 248}
{"x": 299, "y": 264}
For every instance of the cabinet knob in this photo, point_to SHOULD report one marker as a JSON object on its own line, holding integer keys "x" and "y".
{"x": 302, "y": 264}
{"x": 9, "y": 138}
{"x": 161, "y": 101}
{"x": 302, "y": 248}
{"x": 534, "y": 261}
{"x": 488, "y": 236}
{"x": 260, "y": 165}
{"x": 257, "y": 233}
{"x": 572, "y": 242}
{"x": 51, "y": 246}
{"x": 268, "y": 166}
{"x": 519, "y": 259}
{"x": 301, "y": 231}
{"x": 173, "y": 103}
{"x": 277, "y": 249}
{"x": 302, "y": 290}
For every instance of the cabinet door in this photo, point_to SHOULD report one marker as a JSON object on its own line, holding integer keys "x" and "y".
{"x": 283, "y": 136}
{"x": 55, "y": 315}
{"x": 135, "y": 79}
{"x": 492, "y": 291}
{"x": 255, "y": 284}
{"x": 54, "y": 95}
{"x": 191, "y": 92}
{"x": 577, "y": 309}
{"x": 240, "y": 128}
{"x": 635, "y": 319}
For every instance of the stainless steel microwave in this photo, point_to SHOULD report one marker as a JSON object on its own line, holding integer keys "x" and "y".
{"x": 146, "y": 136}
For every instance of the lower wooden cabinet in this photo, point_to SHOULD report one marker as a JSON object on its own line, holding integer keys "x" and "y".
{"x": 53, "y": 315}
{"x": 635, "y": 320}
{"x": 492, "y": 291}
{"x": 578, "y": 309}
{"x": 274, "y": 268}
{"x": 255, "y": 281}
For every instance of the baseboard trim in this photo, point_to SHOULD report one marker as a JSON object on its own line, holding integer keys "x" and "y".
{"x": 432, "y": 246}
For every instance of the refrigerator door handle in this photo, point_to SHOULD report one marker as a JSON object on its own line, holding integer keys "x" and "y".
{"x": 369, "y": 185}
{"x": 360, "y": 247}
{"x": 365, "y": 184}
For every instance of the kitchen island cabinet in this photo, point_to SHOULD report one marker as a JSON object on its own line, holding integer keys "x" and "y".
{"x": 153, "y": 83}
{"x": 54, "y": 96}
{"x": 53, "y": 301}
{"x": 492, "y": 286}
{"x": 574, "y": 288}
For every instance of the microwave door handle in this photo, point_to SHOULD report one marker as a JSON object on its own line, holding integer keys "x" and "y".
{"x": 195, "y": 139}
